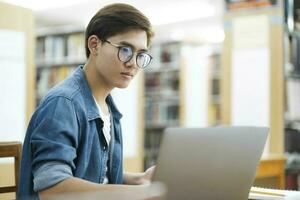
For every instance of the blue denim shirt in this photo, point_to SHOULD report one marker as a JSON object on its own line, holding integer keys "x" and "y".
{"x": 66, "y": 129}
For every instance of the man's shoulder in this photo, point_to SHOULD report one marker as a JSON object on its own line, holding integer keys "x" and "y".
{"x": 68, "y": 89}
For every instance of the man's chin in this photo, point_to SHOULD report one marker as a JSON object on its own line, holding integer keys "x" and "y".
{"x": 123, "y": 86}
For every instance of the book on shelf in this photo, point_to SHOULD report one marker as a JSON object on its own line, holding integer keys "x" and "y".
{"x": 76, "y": 44}
{"x": 293, "y": 98}
{"x": 258, "y": 193}
{"x": 232, "y": 5}
{"x": 155, "y": 63}
{"x": 161, "y": 112}
{"x": 152, "y": 143}
{"x": 60, "y": 49}
{"x": 54, "y": 49}
{"x": 169, "y": 53}
{"x": 152, "y": 81}
{"x": 40, "y": 50}
{"x": 49, "y": 77}
{"x": 215, "y": 86}
{"x": 166, "y": 57}
{"x": 162, "y": 84}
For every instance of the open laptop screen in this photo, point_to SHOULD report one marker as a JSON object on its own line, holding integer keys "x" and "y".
{"x": 210, "y": 163}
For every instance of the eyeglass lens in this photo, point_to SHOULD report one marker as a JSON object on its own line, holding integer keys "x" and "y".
{"x": 142, "y": 59}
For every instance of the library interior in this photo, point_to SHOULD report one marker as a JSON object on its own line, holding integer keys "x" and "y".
{"x": 200, "y": 76}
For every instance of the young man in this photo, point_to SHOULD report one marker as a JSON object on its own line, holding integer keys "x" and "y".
{"x": 74, "y": 139}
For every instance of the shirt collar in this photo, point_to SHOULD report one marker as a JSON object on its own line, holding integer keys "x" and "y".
{"x": 91, "y": 107}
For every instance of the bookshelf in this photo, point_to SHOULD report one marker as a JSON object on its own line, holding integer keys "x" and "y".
{"x": 292, "y": 64}
{"x": 181, "y": 89}
{"x": 292, "y": 93}
{"x": 162, "y": 102}
{"x": 214, "y": 81}
{"x": 58, "y": 53}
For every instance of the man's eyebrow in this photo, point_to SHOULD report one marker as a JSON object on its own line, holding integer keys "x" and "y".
{"x": 132, "y": 46}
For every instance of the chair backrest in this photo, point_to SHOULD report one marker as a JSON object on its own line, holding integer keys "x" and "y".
{"x": 7, "y": 150}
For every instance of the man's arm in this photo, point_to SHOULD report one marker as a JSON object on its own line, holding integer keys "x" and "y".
{"x": 73, "y": 184}
{"x": 79, "y": 189}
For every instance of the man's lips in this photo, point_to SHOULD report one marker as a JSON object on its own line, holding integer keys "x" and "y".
{"x": 127, "y": 74}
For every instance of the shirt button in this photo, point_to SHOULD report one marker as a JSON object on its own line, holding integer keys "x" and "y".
{"x": 104, "y": 148}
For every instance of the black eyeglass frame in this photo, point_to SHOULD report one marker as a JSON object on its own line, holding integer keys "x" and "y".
{"x": 129, "y": 58}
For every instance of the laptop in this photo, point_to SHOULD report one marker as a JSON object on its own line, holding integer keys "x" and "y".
{"x": 211, "y": 163}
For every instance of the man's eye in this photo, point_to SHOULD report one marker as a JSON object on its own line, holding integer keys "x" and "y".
{"x": 126, "y": 50}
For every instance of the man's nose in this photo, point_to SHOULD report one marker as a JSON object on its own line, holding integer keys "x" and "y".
{"x": 132, "y": 62}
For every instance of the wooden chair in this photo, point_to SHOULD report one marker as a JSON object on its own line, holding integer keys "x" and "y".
{"x": 7, "y": 150}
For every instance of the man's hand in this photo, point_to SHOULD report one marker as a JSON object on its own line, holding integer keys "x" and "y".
{"x": 143, "y": 178}
{"x": 147, "y": 176}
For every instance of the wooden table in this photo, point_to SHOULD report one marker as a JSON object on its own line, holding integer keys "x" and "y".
{"x": 272, "y": 166}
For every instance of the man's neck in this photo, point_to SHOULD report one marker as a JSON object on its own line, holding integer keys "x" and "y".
{"x": 99, "y": 88}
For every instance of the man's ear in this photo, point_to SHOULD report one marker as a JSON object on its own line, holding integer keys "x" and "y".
{"x": 93, "y": 42}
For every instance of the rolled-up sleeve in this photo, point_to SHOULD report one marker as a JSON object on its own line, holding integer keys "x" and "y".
{"x": 50, "y": 174}
{"x": 54, "y": 142}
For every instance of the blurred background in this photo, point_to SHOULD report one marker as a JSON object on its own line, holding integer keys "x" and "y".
{"x": 216, "y": 62}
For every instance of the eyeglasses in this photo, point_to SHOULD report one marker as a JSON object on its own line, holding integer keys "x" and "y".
{"x": 126, "y": 53}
